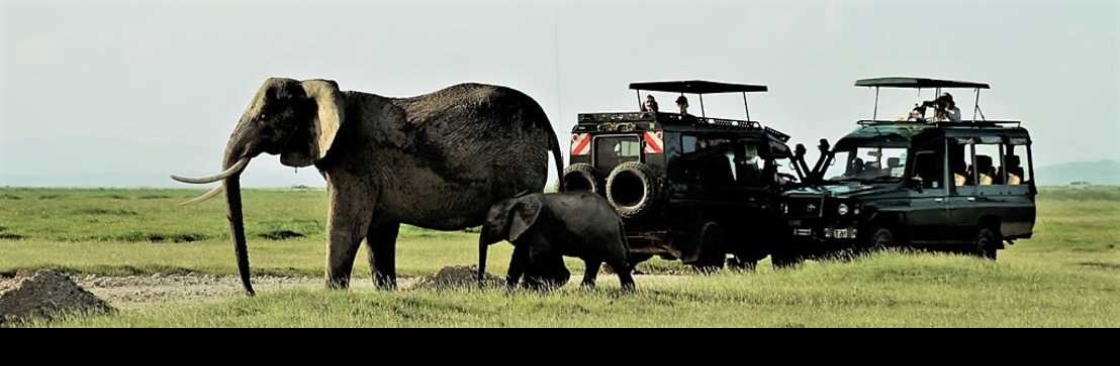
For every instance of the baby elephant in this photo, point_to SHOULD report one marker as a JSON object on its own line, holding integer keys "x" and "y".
{"x": 546, "y": 228}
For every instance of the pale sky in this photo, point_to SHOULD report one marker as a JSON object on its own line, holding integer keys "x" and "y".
{"x": 122, "y": 93}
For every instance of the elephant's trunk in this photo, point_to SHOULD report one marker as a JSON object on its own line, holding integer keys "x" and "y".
{"x": 235, "y": 153}
{"x": 237, "y": 231}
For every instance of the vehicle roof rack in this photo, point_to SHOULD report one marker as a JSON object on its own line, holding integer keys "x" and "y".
{"x": 943, "y": 124}
{"x": 698, "y": 87}
{"x": 919, "y": 83}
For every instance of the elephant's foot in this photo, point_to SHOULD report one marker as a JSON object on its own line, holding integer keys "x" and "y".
{"x": 385, "y": 282}
{"x": 338, "y": 284}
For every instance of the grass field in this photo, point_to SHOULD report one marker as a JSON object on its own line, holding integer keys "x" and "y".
{"x": 1069, "y": 275}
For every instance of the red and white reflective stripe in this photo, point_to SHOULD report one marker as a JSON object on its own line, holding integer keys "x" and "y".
{"x": 655, "y": 142}
{"x": 581, "y": 144}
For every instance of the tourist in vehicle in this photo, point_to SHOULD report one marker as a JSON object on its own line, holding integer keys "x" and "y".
{"x": 1014, "y": 170}
{"x": 651, "y": 105}
{"x": 948, "y": 108}
{"x": 682, "y": 103}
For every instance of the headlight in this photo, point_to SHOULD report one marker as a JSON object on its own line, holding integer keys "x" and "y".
{"x": 844, "y": 209}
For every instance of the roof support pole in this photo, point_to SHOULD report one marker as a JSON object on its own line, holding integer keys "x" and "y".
{"x": 875, "y": 117}
{"x": 747, "y": 105}
{"x": 703, "y": 111}
{"x": 641, "y": 106}
{"x": 976, "y": 110}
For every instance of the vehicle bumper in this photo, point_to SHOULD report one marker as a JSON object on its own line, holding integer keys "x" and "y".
{"x": 826, "y": 235}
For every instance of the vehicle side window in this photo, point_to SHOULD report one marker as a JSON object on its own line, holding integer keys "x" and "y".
{"x": 749, "y": 165}
{"x": 688, "y": 144}
{"x": 1017, "y": 165}
{"x": 960, "y": 163}
{"x": 613, "y": 151}
{"x": 930, "y": 169}
{"x": 989, "y": 163}
{"x": 708, "y": 161}
{"x": 785, "y": 167}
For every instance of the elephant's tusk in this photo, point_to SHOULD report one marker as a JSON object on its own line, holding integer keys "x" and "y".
{"x": 206, "y": 197}
{"x": 234, "y": 170}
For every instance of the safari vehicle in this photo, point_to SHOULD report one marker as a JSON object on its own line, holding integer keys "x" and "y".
{"x": 964, "y": 187}
{"x": 692, "y": 188}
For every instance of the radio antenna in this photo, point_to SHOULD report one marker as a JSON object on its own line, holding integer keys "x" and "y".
{"x": 556, "y": 45}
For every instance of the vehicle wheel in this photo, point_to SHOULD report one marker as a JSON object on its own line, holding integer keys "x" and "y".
{"x": 882, "y": 239}
{"x": 987, "y": 244}
{"x": 581, "y": 178}
{"x": 632, "y": 189}
{"x": 711, "y": 244}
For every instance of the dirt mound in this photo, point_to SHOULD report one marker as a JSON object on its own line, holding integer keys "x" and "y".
{"x": 458, "y": 278}
{"x": 46, "y": 295}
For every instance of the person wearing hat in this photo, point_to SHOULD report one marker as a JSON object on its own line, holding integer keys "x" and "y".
{"x": 682, "y": 103}
{"x": 949, "y": 108}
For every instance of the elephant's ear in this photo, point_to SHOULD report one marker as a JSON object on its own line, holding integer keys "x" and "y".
{"x": 523, "y": 216}
{"x": 331, "y": 114}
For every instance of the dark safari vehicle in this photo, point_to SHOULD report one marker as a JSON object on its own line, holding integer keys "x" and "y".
{"x": 692, "y": 188}
{"x": 935, "y": 183}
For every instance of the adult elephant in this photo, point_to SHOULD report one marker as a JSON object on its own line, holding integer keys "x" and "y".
{"x": 437, "y": 161}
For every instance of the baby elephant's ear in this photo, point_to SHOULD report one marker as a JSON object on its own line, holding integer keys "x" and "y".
{"x": 524, "y": 215}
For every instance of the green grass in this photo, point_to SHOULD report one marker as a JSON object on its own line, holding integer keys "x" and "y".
{"x": 891, "y": 291}
{"x": 1069, "y": 275}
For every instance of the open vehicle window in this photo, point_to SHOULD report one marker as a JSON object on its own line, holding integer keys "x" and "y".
{"x": 749, "y": 165}
{"x": 709, "y": 161}
{"x": 929, "y": 168}
{"x": 1017, "y": 165}
{"x": 868, "y": 164}
{"x": 960, "y": 164}
{"x": 989, "y": 164}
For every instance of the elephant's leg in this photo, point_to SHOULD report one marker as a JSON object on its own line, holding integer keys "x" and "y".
{"x": 517, "y": 266}
{"x": 382, "y": 247}
{"x": 591, "y": 273}
{"x": 350, "y": 217}
{"x": 621, "y": 266}
{"x": 554, "y": 273}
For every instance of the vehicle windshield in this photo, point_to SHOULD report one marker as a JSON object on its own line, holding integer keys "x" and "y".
{"x": 868, "y": 164}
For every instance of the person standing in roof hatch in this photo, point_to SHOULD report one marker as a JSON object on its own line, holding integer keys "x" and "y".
{"x": 651, "y": 105}
{"x": 682, "y": 103}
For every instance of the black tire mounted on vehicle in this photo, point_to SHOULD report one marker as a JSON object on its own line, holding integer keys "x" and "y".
{"x": 987, "y": 244}
{"x": 581, "y": 178}
{"x": 632, "y": 189}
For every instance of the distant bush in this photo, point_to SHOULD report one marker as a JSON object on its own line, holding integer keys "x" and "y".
{"x": 1081, "y": 194}
{"x": 281, "y": 235}
{"x": 100, "y": 211}
{"x": 10, "y": 236}
{"x": 10, "y": 197}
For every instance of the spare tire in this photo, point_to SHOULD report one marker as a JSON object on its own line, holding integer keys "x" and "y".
{"x": 633, "y": 190}
{"x": 581, "y": 178}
